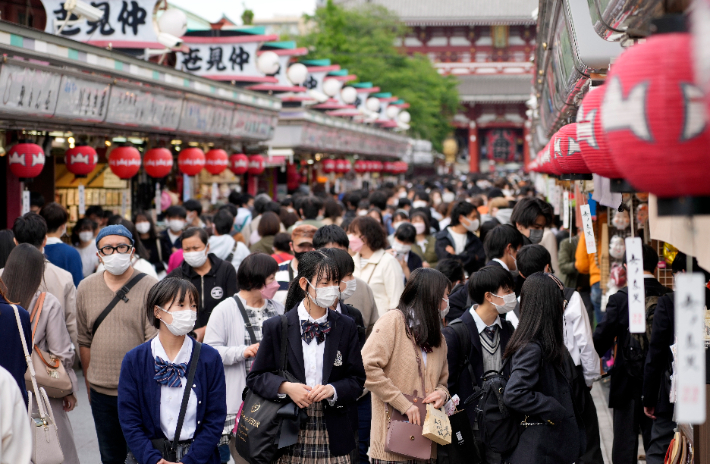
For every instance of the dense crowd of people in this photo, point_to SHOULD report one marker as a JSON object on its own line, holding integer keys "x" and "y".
{"x": 390, "y": 299}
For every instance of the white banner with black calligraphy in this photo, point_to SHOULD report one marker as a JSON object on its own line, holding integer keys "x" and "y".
{"x": 221, "y": 61}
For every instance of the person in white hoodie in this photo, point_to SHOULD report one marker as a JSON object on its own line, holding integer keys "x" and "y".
{"x": 222, "y": 244}
{"x": 15, "y": 433}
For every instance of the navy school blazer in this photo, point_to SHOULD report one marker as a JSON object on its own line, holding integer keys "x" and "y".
{"x": 348, "y": 378}
{"x": 139, "y": 405}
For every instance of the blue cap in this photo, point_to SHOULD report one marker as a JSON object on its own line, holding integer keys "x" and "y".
{"x": 116, "y": 229}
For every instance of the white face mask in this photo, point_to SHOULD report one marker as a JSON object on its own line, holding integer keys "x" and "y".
{"x": 176, "y": 225}
{"x": 401, "y": 248}
{"x": 395, "y": 225}
{"x": 195, "y": 258}
{"x": 117, "y": 263}
{"x": 419, "y": 227}
{"x": 325, "y": 296}
{"x": 402, "y": 195}
{"x": 86, "y": 236}
{"x": 448, "y": 197}
{"x": 183, "y": 321}
{"x": 350, "y": 287}
{"x": 472, "y": 225}
{"x": 362, "y": 212}
{"x": 419, "y": 204}
{"x": 509, "y": 302}
{"x": 143, "y": 227}
{"x": 444, "y": 312}
{"x": 436, "y": 201}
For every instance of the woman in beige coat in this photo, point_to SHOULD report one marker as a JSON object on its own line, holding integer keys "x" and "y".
{"x": 403, "y": 340}
{"x": 22, "y": 277}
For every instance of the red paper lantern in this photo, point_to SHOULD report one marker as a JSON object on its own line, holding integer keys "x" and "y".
{"x": 216, "y": 161}
{"x": 191, "y": 161}
{"x": 377, "y": 166}
{"x": 567, "y": 152}
{"x": 360, "y": 166}
{"x": 405, "y": 167}
{"x": 592, "y": 139}
{"x": 545, "y": 160}
{"x": 293, "y": 178}
{"x": 81, "y": 160}
{"x": 343, "y": 166}
{"x": 655, "y": 119}
{"x": 158, "y": 162}
{"x": 256, "y": 165}
{"x": 26, "y": 160}
{"x": 329, "y": 165}
{"x": 390, "y": 167}
{"x": 125, "y": 161}
{"x": 239, "y": 163}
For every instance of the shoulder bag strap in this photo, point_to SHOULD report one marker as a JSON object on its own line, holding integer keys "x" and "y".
{"x": 197, "y": 346}
{"x": 284, "y": 343}
{"x": 290, "y": 272}
{"x": 234, "y": 250}
{"x": 30, "y": 366}
{"x": 120, "y": 295}
{"x": 247, "y": 321}
{"x": 36, "y": 312}
{"x": 159, "y": 247}
{"x": 418, "y": 354}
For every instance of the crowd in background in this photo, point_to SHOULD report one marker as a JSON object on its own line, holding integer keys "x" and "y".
{"x": 475, "y": 273}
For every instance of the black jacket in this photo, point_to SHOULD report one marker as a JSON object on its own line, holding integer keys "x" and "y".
{"x": 473, "y": 256}
{"x": 167, "y": 246}
{"x": 355, "y": 314}
{"x": 658, "y": 359}
{"x": 347, "y": 377}
{"x": 615, "y": 324}
{"x": 460, "y": 381}
{"x": 459, "y": 302}
{"x": 218, "y": 284}
{"x": 543, "y": 392}
{"x": 414, "y": 262}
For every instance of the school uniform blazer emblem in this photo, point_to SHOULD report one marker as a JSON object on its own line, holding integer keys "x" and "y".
{"x": 338, "y": 359}
{"x": 255, "y": 408}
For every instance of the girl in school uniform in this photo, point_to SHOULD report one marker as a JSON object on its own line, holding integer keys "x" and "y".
{"x": 324, "y": 355}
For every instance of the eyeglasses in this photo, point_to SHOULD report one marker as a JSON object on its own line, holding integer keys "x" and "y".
{"x": 121, "y": 249}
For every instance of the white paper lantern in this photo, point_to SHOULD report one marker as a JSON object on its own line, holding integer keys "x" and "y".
{"x": 268, "y": 62}
{"x": 331, "y": 87}
{"x": 392, "y": 112}
{"x": 297, "y": 73}
{"x": 404, "y": 117}
{"x": 349, "y": 95}
{"x": 373, "y": 104}
{"x": 173, "y": 22}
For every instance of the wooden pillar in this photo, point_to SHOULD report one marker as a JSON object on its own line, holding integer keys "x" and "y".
{"x": 473, "y": 153}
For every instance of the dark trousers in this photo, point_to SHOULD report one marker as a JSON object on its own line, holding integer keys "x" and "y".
{"x": 629, "y": 420}
{"x": 661, "y": 436}
{"x": 112, "y": 444}
{"x": 593, "y": 452}
{"x": 364, "y": 417}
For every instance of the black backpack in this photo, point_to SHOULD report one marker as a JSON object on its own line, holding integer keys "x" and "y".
{"x": 635, "y": 346}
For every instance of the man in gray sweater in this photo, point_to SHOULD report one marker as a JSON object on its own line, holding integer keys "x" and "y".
{"x": 103, "y": 345}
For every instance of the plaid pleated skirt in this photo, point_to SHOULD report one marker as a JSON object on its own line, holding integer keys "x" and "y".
{"x": 411, "y": 461}
{"x": 313, "y": 444}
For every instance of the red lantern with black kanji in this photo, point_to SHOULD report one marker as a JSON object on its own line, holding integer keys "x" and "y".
{"x": 256, "y": 165}
{"x": 158, "y": 162}
{"x": 361, "y": 166}
{"x": 239, "y": 163}
{"x": 293, "y": 178}
{"x": 343, "y": 166}
{"x": 191, "y": 161}
{"x": 592, "y": 139}
{"x": 216, "y": 161}
{"x": 81, "y": 160}
{"x": 545, "y": 160}
{"x": 26, "y": 160}
{"x": 124, "y": 161}
{"x": 654, "y": 118}
{"x": 329, "y": 165}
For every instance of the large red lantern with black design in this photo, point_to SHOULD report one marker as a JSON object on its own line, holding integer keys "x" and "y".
{"x": 191, "y": 161}
{"x": 377, "y": 166}
{"x": 566, "y": 151}
{"x": 158, "y": 162}
{"x": 544, "y": 158}
{"x": 342, "y": 166}
{"x": 592, "y": 139}
{"x": 329, "y": 165}
{"x": 26, "y": 160}
{"x": 125, "y": 161}
{"x": 239, "y": 163}
{"x": 654, "y": 118}
{"x": 216, "y": 161}
{"x": 390, "y": 167}
{"x": 256, "y": 165}
{"x": 81, "y": 160}
{"x": 361, "y": 166}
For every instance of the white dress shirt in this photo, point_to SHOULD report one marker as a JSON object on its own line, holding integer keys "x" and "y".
{"x": 578, "y": 338}
{"x": 313, "y": 353}
{"x": 505, "y": 266}
{"x": 480, "y": 325}
{"x": 171, "y": 398}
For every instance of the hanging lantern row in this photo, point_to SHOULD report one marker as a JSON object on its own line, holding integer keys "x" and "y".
{"x": 646, "y": 124}
{"x": 340, "y": 166}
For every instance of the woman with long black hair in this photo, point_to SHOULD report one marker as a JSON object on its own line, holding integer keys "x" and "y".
{"x": 405, "y": 350}
{"x": 323, "y": 355}
{"x": 542, "y": 384}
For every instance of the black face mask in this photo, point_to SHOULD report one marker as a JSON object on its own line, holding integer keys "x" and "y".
{"x": 299, "y": 254}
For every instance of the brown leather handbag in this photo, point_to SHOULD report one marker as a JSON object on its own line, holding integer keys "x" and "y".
{"x": 49, "y": 370}
{"x": 404, "y": 437}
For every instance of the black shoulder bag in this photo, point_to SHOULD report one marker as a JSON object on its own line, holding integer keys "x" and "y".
{"x": 247, "y": 321}
{"x": 166, "y": 448}
{"x": 121, "y": 294}
{"x": 267, "y": 426}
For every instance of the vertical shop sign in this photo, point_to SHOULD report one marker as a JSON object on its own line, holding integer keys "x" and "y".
{"x": 690, "y": 356}
{"x": 588, "y": 229}
{"x": 636, "y": 291}
{"x": 565, "y": 207}
{"x": 82, "y": 200}
{"x": 185, "y": 187}
{"x": 124, "y": 203}
{"x": 158, "y": 201}
{"x": 25, "y": 202}
{"x": 215, "y": 193}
